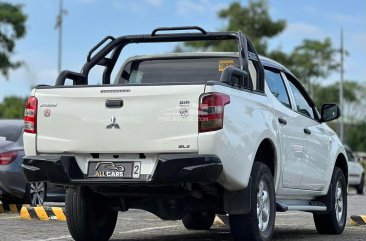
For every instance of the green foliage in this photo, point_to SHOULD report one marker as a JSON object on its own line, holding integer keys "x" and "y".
{"x": 253, "y": 20}
{"x": 313, "y": 59}
{"x": 12, "y": 107}
{"x": 12, "y": 22}
{"x": 330, "y": 93}
{"x": 356, "y": 136}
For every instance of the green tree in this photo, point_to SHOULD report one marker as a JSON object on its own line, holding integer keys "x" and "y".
{"x": 310, "y": 61}
{"x": 313, "y": 59}
{"x": 253, "y": 20}
{"x": 12, "y": 22}
{"x": 330, "y": 93}
{"x": 356, "y": 136}
{"x": 12, "y": 107}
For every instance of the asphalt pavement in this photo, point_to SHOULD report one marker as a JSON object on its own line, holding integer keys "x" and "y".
{"x": 141, "y": 225}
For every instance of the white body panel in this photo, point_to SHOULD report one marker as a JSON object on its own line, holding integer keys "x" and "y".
{"x": 149, "y": 121}
{"x": 248, "y": 120}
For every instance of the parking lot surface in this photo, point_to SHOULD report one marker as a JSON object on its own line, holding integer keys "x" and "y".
{"x": 140, "y": 225}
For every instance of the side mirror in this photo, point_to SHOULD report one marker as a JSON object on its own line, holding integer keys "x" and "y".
{"x": 235, "y": 77}
{"x": 330, "y": 112}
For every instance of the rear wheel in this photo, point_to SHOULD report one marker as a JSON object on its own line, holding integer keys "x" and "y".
{"x": 334, "y": 221}
{"x": 258, "y": 224}
{"x": 198, "y": 220}
{"x": 88, "y": 219}
{"x": 361, "y": 187}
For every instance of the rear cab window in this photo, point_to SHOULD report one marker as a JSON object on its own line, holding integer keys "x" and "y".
{"x": 174, "y": 70}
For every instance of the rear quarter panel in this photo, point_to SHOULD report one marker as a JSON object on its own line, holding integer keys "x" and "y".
{"x": 248, "y": 120}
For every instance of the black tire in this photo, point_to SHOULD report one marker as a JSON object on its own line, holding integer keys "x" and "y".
{"x": 334, "y": 221}
{"x": 361, "y": 187}
{"x": 246, "y": 226}
{"x": 87, "y": 218}
{"x": 198, "y": 220}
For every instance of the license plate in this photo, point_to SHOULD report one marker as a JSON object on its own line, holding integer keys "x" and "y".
{"x": 109, "y": 169}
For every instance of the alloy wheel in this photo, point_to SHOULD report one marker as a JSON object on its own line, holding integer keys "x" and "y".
{"x": 37, "y": 193}
{"x": 339, "y": 202}
{"x": 263, "y": 206}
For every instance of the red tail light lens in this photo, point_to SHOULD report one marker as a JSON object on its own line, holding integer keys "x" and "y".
{"x": 8, "y": 157}
{"x": 211, "y": 111}
{"x": 30, "y": 115}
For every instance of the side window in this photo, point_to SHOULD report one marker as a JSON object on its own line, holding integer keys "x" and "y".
{"x": 302, "y": 105}
{"x": 277, "y": 87}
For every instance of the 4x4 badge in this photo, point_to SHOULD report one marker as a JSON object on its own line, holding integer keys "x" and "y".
{"x": 113, "y": 123}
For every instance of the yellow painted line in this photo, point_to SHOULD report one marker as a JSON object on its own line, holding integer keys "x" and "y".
{"x": 24, "y": 214}
{"x": 59, "y": 213}
{"x": 13, "y": 208}
{"x": 41, "y": 213}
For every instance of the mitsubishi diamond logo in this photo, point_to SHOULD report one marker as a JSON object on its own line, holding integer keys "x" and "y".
{"x": 113, "y": 123}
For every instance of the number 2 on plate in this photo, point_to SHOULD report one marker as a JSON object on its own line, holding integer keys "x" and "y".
{"x": 136, "y": 170}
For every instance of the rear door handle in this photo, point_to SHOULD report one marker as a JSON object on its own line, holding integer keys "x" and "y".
{"x": 282, "y": 121}
{"x": 307, "y": 131}
{"x": 114, "y": 103}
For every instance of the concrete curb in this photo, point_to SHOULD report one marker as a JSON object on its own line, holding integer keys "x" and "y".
{"x": 358, "y": 220}
{"x": 14, "y": 208}
{"x": 43, "y": 213}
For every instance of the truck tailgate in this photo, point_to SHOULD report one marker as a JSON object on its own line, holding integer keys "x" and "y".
{"x": 152, "y": 119}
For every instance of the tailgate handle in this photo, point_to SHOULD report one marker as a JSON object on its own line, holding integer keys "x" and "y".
{"x": 114, "y": 103}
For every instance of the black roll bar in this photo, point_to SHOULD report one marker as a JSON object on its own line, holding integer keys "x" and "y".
{"x": 98, "y": 45}
{"x": 246, "y": 51}
{"x": 153, "y": 33}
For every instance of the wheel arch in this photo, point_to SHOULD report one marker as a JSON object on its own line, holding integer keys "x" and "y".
{"x": 267, "y": 154}
{"x": 341, "y": 162}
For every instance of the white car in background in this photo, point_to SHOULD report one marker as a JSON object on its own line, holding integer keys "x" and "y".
{"x": 356, "y": 172}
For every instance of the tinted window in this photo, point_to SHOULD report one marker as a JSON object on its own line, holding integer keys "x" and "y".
{"x": 277, "y": 87}
{"x": 10, "y": 132}
{"x": 350, "y": 156}
{"x": 183, "y": 70}
{"x": 302, "y": 105}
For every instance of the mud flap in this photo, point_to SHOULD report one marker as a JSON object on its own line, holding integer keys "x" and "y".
{"x": 238, "y": 202}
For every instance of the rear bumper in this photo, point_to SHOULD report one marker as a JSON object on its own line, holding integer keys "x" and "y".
{"x": 171, "y": 169}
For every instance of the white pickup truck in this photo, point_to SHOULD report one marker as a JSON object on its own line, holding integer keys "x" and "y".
{"x": 186, "y": 136}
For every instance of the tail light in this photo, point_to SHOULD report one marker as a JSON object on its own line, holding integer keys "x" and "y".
{"x": 8, "y": 157}
{"x": 211, "y": 111}
{"x": 30, "y": 115}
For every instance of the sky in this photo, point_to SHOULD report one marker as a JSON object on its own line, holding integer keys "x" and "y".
{"x": 88, "y": 21}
